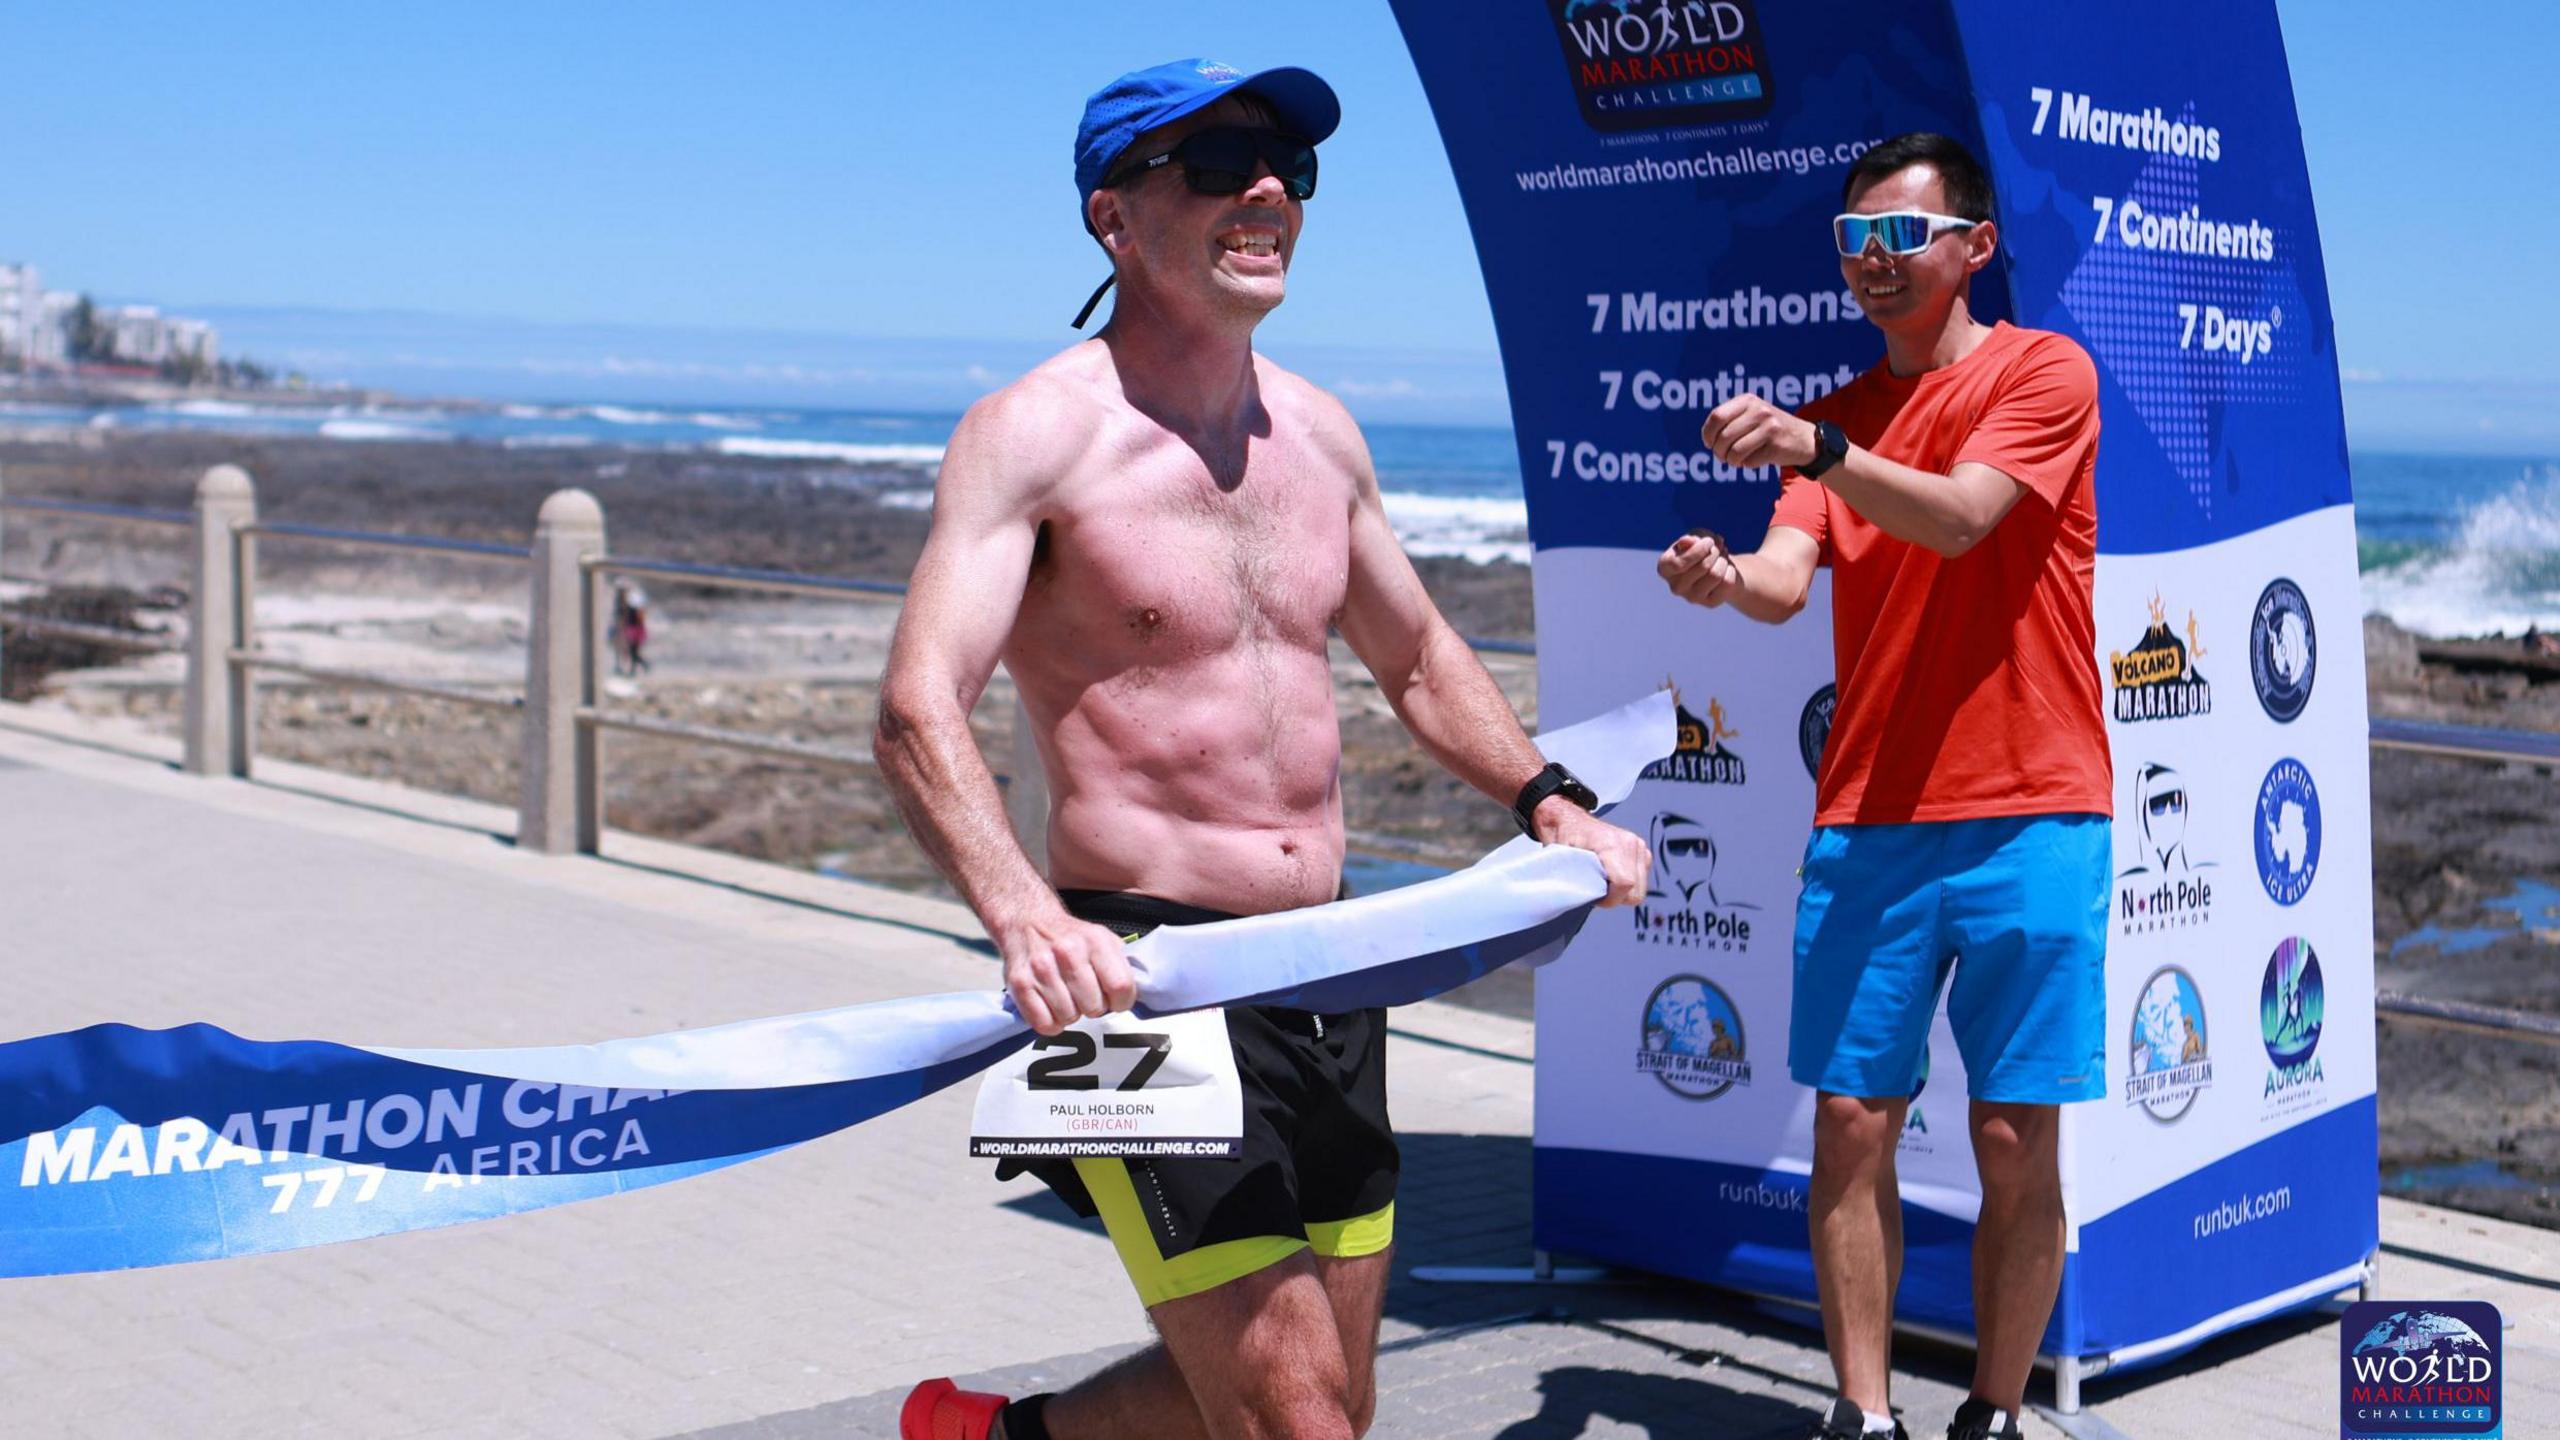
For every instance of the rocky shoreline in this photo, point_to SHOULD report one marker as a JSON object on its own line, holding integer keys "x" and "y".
{"x": 2464, "y": 850}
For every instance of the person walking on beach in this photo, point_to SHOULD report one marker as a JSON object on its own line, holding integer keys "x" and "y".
{"x": 1155, "y": 531}
{"x": 630, "y": 629}
{"x": 1962, "y": 810}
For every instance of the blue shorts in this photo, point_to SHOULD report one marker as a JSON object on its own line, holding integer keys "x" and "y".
{"x": 2015, "y": 906}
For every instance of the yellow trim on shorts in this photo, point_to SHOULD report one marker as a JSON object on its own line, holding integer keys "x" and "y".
{"x": 1160, "y": 1279}
{"x": 1350, "y": 1239}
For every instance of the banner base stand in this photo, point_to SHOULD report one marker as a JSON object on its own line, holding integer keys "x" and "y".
{"x": 1541, "y": 1270}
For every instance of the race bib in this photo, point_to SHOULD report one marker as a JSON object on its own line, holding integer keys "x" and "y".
{"x": 1116, "y": 1086}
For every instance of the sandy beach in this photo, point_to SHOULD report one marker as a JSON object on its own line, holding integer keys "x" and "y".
{"x": 2465, "y": 852}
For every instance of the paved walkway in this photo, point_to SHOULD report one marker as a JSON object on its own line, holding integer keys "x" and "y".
{"x": 799, "y": 1295}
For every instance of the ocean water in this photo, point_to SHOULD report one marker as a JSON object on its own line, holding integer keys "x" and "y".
{"x": 2447, "y": 544}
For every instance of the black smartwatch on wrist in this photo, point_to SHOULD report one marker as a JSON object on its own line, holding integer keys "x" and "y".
{"x": 1830, "y": 447}
{"x": 1554, "y": 780}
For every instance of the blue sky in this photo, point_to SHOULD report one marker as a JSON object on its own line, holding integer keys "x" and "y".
{"x": 580, "y": 202}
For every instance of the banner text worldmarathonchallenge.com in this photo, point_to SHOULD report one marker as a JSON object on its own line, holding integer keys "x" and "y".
{"x": 1746, "y": 160}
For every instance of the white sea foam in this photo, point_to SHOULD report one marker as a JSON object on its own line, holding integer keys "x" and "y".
{"x": 377, "y": 430}
{"x": 1481, "y": 529}
{"x": 617, "y": 415}
{"x": 768, "y": 449}
{"x": 2503, "y": 573}
{"x": 907, "y": 499}
{"x": 213, "y": 409}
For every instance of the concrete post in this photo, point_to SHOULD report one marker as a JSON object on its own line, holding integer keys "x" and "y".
{"x": 223, "y": 579}
{"x": 562, "y": 805}
{"x": 1026, "y": 800}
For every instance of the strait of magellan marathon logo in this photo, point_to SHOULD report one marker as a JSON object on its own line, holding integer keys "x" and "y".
{"x": 2432, "y": 1368}
{"x": 2170, "y": 1065}
{"x": 2284, "y": 650}
{"x": 1693, "y": 1039}
{"x": 1656, "y": 64}
{"x": 1813, "y": 727}
{"x": 1681, "y": 905}
{"x": 2157, "y": 679}
{"x": 2292, "y": 1004}
{"x": 1701, "y": 757}
{"x": 2166, "y": 887}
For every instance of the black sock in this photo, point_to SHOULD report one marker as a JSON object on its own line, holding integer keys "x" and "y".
{"x": 1022, "y": 1418}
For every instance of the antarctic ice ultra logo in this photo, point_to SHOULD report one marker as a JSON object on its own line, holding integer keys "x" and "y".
{"x": 1681, "y": 905}
{"x": 2157, "y": 679}
{"x": 2288, "y": 832}
{"x": 2166, "y": 887}
{"x": 1693, "y": 1039}
{"x": 1813, "y": 727}
{"x": 1701, "y": 757}
{"x": 2284, "y": 650}
{"x": 2431, "y": 1368}
{"x": 2169, "y": 1065}
{"x": 1655, "y": 64}
{"x": 2292, "y": 1004}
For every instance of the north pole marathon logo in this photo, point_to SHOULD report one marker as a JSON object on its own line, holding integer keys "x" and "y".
{"x": 2292, "y": 1004}
{"x": 2157, "y": 679}
{"x": 2166, "y": 887}
{"x": 1655, "y": 64}
{"x": 1701, "y": 757}
{"x": 2170, "y": 1063}
{"x": 1681, "y": 906}
{"x": 1813, "y": 727}
{"x": 1693, "y": 1040}
{"x": 2288, "y": 834}
{"x": 2429, "y": 1368}
{"x": 2284, "y": 650}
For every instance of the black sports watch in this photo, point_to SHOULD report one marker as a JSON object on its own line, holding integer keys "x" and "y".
{"x": 1830, "y": 447}
{"x": 1554, "y": 780}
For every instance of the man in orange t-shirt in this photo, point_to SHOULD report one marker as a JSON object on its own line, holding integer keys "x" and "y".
{"x": 1962, "y": 811}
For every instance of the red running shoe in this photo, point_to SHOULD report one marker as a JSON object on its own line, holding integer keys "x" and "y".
{"x": 940, "y": 1410}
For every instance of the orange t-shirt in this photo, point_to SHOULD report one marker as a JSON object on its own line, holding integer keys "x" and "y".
{"x": 1968, "y": 687}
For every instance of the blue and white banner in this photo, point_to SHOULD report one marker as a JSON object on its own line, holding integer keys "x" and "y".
{"x": 128, "y": 1147}
{"x": 1649, "y": 183}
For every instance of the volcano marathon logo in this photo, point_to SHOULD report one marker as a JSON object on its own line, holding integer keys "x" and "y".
{"x": 2170, "y": 1065}
{"x": 2426, "y": 1368}
{"x": 1813, "y": 727}
{"x": 2157, "y": 679}
{"x": 1655, "y": 64}
{"x": 2288, "y": 832}
{"x": 1701, "y": 757}
{"x": 2166, "y": 887}
{"x": 2292, "y": 1003}
{"x": 1681, "y": 905}
{"x": 1693, "y": 1039}
{"x": 2284, "y": 650}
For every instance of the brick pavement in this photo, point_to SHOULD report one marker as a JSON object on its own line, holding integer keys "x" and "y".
{"x": 792, "y": 1296}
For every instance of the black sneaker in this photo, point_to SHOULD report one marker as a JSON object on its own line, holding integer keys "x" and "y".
{"x": 1982, "y": 1420}
{"x": 1845, "y": 1421}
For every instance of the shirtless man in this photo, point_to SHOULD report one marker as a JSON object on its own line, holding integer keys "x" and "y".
{"x": 1155, "y": 532}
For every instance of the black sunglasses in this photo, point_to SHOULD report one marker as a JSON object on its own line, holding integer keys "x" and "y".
{"x": 1220, "y": 161}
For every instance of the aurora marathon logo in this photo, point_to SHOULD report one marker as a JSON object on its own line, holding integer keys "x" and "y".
{"x": 2292, "y": 1005}
{"x": 1701, "y": 756}
{"x": 2166, "y": 887}
{"x": 2157, "y": 679}
{"x": 2170, "y": 1064}
{"x": 2433, "y": 1368}
{"x": 1681, "y": 904}
{"x": 1656, "y": 64}
{"x": 1693, "y": 1041}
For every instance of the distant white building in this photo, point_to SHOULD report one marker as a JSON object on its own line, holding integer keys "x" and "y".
{"x": 192, "y": 339}
{"x": 52, "y": 344}
{"x": 21, "y": 313}
{"x": 136, "y": 332}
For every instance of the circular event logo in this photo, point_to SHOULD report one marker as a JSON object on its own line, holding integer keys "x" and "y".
{"x": 2284, "y": 650}
{"x": 1693, "y": 1041}
{"x": 2288, "y": 838}
{"x": 2169, "y": 1063}
{"x": 2292, "y": 1003}
{"x": 1813, "y": 727}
